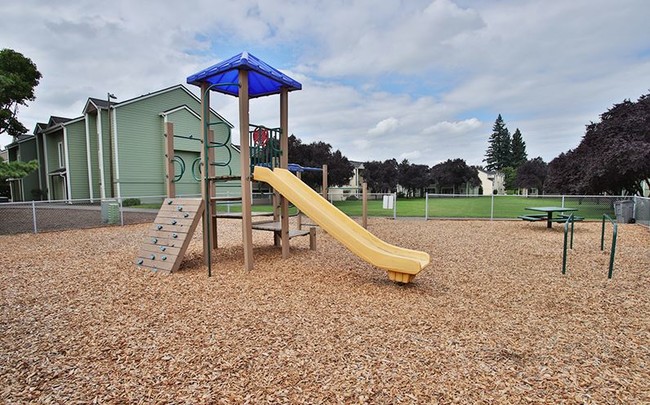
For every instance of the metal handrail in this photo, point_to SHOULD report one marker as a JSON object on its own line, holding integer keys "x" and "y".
{"x": 566, "y": 231}
{"x": 602, "y": 242}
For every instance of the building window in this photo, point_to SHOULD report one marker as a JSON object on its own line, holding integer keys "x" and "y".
{"x": 61, "y": 156}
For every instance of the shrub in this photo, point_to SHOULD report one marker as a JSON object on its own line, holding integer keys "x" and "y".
{"x": 130, "y": 202}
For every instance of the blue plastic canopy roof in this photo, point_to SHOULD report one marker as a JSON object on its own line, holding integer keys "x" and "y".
{"x": 263, "y": 79}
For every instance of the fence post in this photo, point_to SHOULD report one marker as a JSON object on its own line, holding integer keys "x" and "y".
{"x": 426, "y": 206}
{"x": 492, "y": 208}
{"x": 121, "y": 213}
{"x": 34, "y": 216}
{"x": 562, "y": 200}
{"x": 364, "y": 205}
{"x": 395, "y": 205}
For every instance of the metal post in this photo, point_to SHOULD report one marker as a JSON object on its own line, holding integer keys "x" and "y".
{"x": 364, "y": 205}
{"x": 492, "y": 208}
{"x": 602, "y": 234}
{"x": 426, "y": 206}
{"x": 611, "y": 256}
{"x": 563, "y": 201}
{"x": 34, "y": 216}
{"x": 566, "y": 229}
{"x": 121, "y": 212}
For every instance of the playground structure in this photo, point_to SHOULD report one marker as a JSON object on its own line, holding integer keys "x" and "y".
{"x": 265, "y": 150}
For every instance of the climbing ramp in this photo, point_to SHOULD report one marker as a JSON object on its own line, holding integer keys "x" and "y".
{"x": 170, "y": 235}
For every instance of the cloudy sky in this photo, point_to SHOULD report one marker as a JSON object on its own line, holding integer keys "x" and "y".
{"x": 421, "y": 80}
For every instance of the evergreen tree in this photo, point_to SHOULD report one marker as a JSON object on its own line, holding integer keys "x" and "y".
{"x": 499, "y": 151}
{"x": 519, "y": 155}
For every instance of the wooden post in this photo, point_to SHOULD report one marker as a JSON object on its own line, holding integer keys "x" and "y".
{"x": 325, "y": 182}
{"x": 284, "y": 163}
{"x": 207, "y": 216}
{"x": 247, "y": 226}
{"x": 169, "y": 156}
{"x": 364, "y": 194}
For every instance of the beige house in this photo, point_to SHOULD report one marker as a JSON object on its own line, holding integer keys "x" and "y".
{"x": 492, "y": 181}
{"x": 352, "y": 188}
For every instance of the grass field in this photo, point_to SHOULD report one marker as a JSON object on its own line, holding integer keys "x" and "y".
{"x": 460, "y": 206}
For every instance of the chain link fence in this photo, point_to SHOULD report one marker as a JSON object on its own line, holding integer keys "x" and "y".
{"x": 45, "y": 216}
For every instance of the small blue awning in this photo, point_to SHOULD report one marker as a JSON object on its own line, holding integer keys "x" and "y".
{"x": 263, "y": 79}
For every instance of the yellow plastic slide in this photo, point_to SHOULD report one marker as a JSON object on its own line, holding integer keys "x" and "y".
{"x": 402, "y": 264}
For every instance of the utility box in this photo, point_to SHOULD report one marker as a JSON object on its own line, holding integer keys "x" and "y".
{"x": 624, "y": 211}
{"x": 110, "y": 212}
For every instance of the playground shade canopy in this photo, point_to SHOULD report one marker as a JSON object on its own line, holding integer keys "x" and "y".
{"x": 263, "y": 79}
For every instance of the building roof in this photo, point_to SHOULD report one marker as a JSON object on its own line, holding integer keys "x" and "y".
{"x": 57, "y": 120}
{"x": 263, "y": 79}
{"x": 20, "y": 139}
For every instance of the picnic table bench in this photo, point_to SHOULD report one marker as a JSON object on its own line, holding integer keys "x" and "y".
{"x": 548, "y": 214}
{"x": 563, "y": 218}
{"x": 533, "y": 217}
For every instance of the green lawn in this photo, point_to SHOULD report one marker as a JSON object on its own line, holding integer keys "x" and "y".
{"x": 458, "y": 207}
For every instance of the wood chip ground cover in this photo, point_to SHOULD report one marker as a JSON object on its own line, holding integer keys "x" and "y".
{"x": 491, "y": 320}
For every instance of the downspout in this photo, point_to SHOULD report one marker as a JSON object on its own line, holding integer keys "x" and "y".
{"x": 100, "y": 152}
{"x": 115, "y": 152}
{"x": 38, "y": 159}
{"x": 47, "y": 169}
{"x": 89, "y": 161}
{"x": 68, "y": 181}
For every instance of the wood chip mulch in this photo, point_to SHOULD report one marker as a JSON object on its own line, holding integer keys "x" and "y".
{"x": 491, "y": 320}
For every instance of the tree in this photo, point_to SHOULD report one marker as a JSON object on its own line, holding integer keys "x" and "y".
{"x": 413, "y": 177}
{"x": 16, "y": 169}
{"x": 519, "y": 155}
{"x": 564, "y": 175}
{"x": 499, "y": 151}
{"x": 613, "y": 156}
{"x": 317, "y": 154}
{"x": 532, "y": 174}
{"x": 18, "y": 78}
{"x": 381, "y": 177}
{"x": 454, "y": 174}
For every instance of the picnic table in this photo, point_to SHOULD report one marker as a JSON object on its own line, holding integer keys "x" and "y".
{"x": 549, "y": 213}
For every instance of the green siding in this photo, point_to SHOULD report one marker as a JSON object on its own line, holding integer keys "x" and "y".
{"x": 27, "y": 152}
{"x": 54, "y": 183}
{"x": 94, "y": 153}
{"x": 142, "y": 144}
{"x": 106, "y": 149}
{"x": 187, "y": 185}
{"x": 30, "y": 182}
{"x": 77, "y": 158}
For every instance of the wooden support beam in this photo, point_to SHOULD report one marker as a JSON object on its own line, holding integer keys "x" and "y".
{"x": 169, "y": 159}
{"x": 284, "y": 163}
{"x": 247, "y": 231}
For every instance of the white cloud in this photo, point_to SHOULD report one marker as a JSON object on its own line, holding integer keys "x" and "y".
{"x": 385, "y": 126}
{"x": 456, "y": 127}
{"x": 380, "y": 79}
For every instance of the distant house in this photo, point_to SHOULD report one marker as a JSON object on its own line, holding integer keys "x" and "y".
{"x": 491, "y": 181}
{"x": 90, "y": 157}
{"x": 352, "y": 188}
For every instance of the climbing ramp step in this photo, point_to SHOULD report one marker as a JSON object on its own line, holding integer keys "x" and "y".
{"x": 170, "y": 235}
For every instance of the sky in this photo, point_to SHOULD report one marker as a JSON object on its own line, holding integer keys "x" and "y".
{"x": 422, "y": 80}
